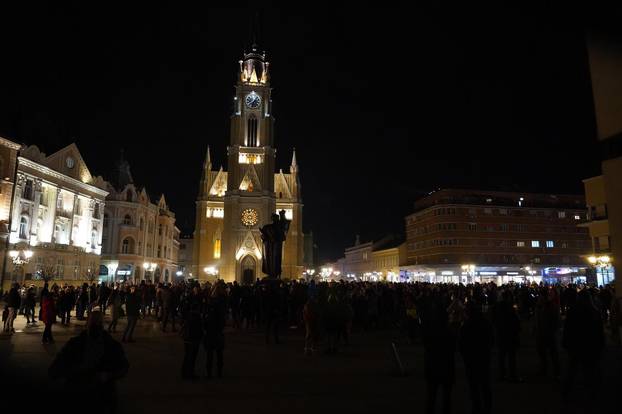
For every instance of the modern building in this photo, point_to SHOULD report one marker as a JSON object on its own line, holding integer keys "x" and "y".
{"x": 604, "y": 192}
{"x": 473, "y": 235}
{"x": 233, "y": 205}
{"x": 140, "y": 239}
{"x": 56, "y": 217}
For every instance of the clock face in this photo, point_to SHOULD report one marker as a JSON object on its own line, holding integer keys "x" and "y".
{"x": 70, "y": 162}
{"x": 253, "y": 100}
{"x": 250, "y": 217}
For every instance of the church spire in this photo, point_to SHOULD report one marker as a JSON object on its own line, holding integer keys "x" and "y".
{"x": 294, "y": 167}
{"x": 205, "y": 177}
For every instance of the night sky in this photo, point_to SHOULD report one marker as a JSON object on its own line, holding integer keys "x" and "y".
{"x": 382, "y": 105}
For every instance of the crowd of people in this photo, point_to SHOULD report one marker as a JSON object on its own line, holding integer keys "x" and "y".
{"x": 444, "y": 318}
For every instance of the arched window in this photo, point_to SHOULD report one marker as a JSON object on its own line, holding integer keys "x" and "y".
{"x": 251, "y": 131}
{"x": 23, "y": 227}
{"x": 127, "y": 219}
{"x": 128, "y": 246}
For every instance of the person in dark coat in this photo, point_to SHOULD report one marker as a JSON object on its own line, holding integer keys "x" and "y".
{"x": 90, "y": 363}
{"x": 29, "y": 310}
{"x": 164, "y": 305}
{"x": 214, "y": 324}
{"x": 584, "y": 340}
{"x": 132, "y": 308}
{"x": 82, "y": 302}
{"x": 475, "y": 343}
{"x": 507, "y": 329}
{"x": 547, "y": 326}
{"x": 13, "y": 302}
{"x": 114, "y": 301}
{"x": 191, "y": 332}
{"x": 439, "y": 353}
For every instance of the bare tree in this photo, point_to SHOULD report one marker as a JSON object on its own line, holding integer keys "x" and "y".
{"x": 48, "y": 269}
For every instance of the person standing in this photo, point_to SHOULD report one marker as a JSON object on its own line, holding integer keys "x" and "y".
{"x": 132, "y": 308}
{"x": 214, "y": 320}
{"x": 114, "y": 301}
{"x": 90, "y": 363}
{"x": 48, "y": 314}
{"x": 29, "y": 310}
{"x": 475, "y": 344}
{"x": 192, "y": 333}
{"x": 547, "y": 326}
{"x": 13, "y": 302}
{"x": 507, "y": 328}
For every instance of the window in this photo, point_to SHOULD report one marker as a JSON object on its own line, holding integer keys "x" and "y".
{"x": 577, "y": 217}
{"x": 472, "y": 212}
{"x": 520, "y": 244}
{"x": 128, "y": 246}
{"x": 535, "y": 243}
{"x": 96, "y": 211}
{"x": 159, "y": 250}
{"x": 217, "y": 249}
{"x": 160, "y": 230}
{"x": 23, "y": 228}
{"x": 93, "y": 239}
{"x": 165, "y": 255}
{"x": 504, "y": 227}
{"x": 536, "y": 260}
{"x": 251, "y": 132}
{"x": 472, "y": 227}
{"x": 129, "y": 196}
{"x": 503, "y": 212}
{"x": 127, "y": 219}
{"x": 550, "y": 243}
{"x": 142, "y": 224}
{"x": 28, "y": 190}
{"x": 561, "y": 214}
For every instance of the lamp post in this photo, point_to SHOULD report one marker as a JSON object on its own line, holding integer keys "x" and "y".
{"x": 602, "y": 263}
{"x": 308, "y": 274}
{"x": 20, "y": 257}
{"x": 149, "y": 267}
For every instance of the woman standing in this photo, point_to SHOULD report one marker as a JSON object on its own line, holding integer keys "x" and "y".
{"x": 48, "y": 314}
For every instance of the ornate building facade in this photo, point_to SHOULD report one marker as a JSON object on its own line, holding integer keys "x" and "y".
{"x": 140, "y": 239}
{"x": 8, "y": 163}
{"x": 232, "y": 205}
{"x": 56, "y": 212}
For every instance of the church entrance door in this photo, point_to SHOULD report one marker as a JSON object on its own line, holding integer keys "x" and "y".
{"x": 248, "y": 270}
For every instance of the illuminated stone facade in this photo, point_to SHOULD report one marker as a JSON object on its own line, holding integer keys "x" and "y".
{"x": 227, "y": 236}
{"x": 137, "y": 231}
{"x": 57, "y": 212}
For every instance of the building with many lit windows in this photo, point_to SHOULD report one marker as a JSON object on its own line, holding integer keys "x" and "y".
{"x": 233, "y": 205}
{"x": 466, "y": 235}
{"x": 56, "y": 216}
{"x": 140, "y": 239}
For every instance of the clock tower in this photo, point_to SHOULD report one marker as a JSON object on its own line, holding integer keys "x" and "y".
{"x": 233, "y": 205}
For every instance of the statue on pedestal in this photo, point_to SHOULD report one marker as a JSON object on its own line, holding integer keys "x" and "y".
{"x": 273, "y": 235}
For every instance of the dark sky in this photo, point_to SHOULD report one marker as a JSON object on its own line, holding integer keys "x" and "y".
{"x": 382, "y": 105}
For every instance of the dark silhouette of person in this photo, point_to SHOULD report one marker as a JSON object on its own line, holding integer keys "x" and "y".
{"x": 90, "y": 363}
{"x": 439, "y": 353}
{"x": 191, "y": 332}
{"x": 475, "y": 343}
{"x": 507, "y": 329}
{"x": 132, "y": 308}
{"x": 584, "y": 340}
{"x": 547, "y": 326}
{"x": 214, "y": 323}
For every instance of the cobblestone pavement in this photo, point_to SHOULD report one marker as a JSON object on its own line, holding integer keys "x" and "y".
{"x": 262, "y": 378}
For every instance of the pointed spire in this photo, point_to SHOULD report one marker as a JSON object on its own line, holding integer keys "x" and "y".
{"x": 208, "y": 160}
{"x": 254, "y": 30}
{"x": 205, "y": 177}
{"x": 294, "y": 167}
{"x": 121, "y": 175}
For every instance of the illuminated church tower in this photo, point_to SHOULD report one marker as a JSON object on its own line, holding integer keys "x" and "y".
{"x": 233, "y": 205}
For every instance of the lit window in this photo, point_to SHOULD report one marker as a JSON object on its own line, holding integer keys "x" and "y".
{"x": 535, "y": 243}
{"x": 577, "y": 217}
{"x": 215, "y": 212}
{"x": 561, "y": 214}
{"x": 520, "y": 244}
{"x": 217, "y": 249}
{"x": 550, "y": 243}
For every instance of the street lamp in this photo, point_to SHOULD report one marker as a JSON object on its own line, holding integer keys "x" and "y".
{"x": 309, "y": 274}
{"x": 530, "y": 272}
{"x": 20, "y": 257}
{"x": 601, "y": 263}
{"x": 149, "y": 267}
